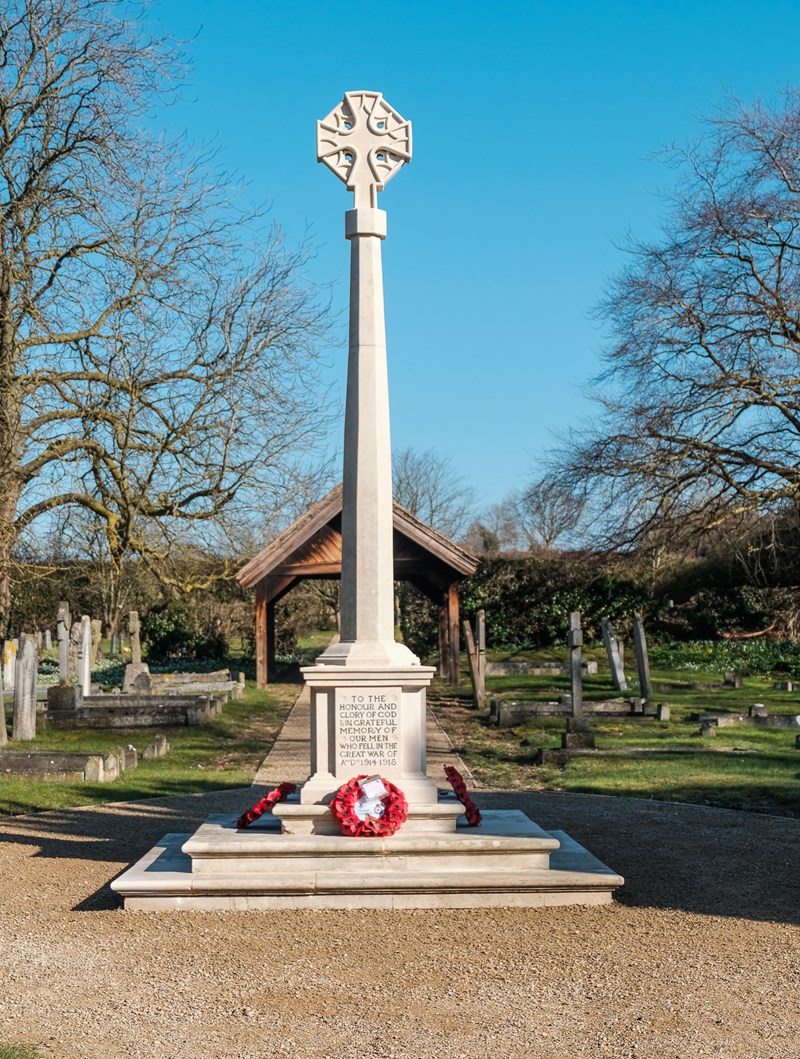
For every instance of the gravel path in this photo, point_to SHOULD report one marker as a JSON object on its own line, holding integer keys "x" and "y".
{"x": 699, "y": 956}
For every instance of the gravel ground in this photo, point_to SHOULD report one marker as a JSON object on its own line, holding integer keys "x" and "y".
{"x": 697, "y": 957}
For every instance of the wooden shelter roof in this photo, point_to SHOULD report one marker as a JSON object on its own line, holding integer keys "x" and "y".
{"x": 312, "y": 547}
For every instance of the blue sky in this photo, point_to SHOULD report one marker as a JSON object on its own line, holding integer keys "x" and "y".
{"x": 535, "y": 129}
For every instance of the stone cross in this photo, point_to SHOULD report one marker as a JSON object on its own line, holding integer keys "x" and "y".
{"x": 642, "y": 661}
{"x": 575, "y": 640}
{"x": 25, "y": 689}
{"x": 64, "y": 622}
{"x": 133, "y": 629}
{"x": 367, "y": 692}
{"x": 85, "y": 655}
{"x": 364, "y": 142}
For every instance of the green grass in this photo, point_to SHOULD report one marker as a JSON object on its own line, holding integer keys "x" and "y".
{"x": 761, "y": 774}
{"x": 18, "y": 1051}
{"x": 217, "y": 756}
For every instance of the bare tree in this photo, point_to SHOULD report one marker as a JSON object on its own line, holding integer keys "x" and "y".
{"x": 701, "y": 400}
{"x": 547, "y": 511}
{"x": 427, "y": 485}
{"x": 153, "y": 365}
{"x": 495, "y": 530}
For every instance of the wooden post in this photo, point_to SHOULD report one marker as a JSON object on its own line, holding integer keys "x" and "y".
{"x": 444, "y": 652}
{"x": 642, "y": 661}
{"x": 271, "y": 638}
{"x": 472, "y": 658}
{"x": 261, "y": 635}
{"x": 480, "y": 636}
{"x": 576, "y": 675}
{"x": 453, "y": 634}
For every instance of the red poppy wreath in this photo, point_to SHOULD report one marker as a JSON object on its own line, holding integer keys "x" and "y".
{"x": 471, "y": 810}
{"x": 266, "y": 804}
{"x": 366, "y": 812}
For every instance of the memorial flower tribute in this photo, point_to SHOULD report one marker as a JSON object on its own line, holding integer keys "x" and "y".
{"x": 471, "y": 810}
{"x": 265, "y": 805}
{"x": 369, "y": 807}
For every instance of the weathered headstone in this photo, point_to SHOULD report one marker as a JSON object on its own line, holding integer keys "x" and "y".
{"x": 663, "y": 712}
{"x": 137, "y": 672}
{"x": 48, "y": 640}
{"x": 642, "y": 660}
{"x": 63, "y": 627}
{"x": 9, "y": 663}
{"x": 612, "y": 650}
{"x": 575, "y": 640}
{"x": 64, "y": 697}
{"x": 75, "y": 638}
{"x": 25, "y": 689}
{"x": 97, "y": 633}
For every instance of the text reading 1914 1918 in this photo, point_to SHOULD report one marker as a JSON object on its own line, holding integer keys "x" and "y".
{"x": 367, "y": 726}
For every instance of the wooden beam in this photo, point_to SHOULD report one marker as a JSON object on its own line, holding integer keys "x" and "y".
{"x": 261, "y": 635}
{"x": 453, "y": 634}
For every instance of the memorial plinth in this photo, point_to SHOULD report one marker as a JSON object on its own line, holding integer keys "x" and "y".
{"x": 368, "y": 708}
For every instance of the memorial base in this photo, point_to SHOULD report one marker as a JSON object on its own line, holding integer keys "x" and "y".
{"x": 508, "y": 862}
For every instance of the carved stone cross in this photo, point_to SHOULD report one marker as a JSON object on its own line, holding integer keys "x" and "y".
{"x": 364, "y": 142}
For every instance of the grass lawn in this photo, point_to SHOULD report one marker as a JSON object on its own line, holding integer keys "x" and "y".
{"x": 759, "y": 772}
{"x": 217, "y": 756}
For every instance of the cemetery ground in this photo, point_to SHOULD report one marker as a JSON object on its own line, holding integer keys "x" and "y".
{"x": 747, "y": 768}
{"x": 696, "y": 958}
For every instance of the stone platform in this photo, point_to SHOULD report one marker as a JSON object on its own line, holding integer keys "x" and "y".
{"x": 508, "y": 862}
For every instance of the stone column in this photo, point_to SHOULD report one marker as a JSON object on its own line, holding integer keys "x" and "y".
{"x": 25, "y": 690}
{"x": 368, "y": 711}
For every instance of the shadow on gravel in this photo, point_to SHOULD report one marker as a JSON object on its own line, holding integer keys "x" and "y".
{"x": 685, "y": 857}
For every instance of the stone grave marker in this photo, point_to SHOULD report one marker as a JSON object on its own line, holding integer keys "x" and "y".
{"x": 137, "y": 672}
{"x": 25, "y": 689}
{"x": 575, "y": 640}
{"x": 642, "y": 660}
{"x": 9, "y": 663}
{"x": 62, "y": 631}
{"x": 97, "y": 635}
{"x": 85, "y": 655}
{"x": 612, "y": 650}
{"x": 48, "y": 640}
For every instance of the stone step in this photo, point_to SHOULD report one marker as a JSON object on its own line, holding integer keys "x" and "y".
{"x": 491, "y": 870}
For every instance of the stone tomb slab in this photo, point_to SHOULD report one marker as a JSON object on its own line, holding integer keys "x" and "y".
{"x": 507, "y": 862}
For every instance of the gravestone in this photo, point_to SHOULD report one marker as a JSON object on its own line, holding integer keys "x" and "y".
{"x": 85, "y": 655}
{"x": 74, "y": 660}
{"x": 48, "y": 640}
{"x": 25, "y": 689}
{"x": 97, "y": 633}
{"x": 575, "y": 640}
{"x": 642, "y": 660}
{"x": 9, "y": 663}
{"x": 612, "y": 650}
{"x": 137, "y": 672}
{"x": 62, "y": 631}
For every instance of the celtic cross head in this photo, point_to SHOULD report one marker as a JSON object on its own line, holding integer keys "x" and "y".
{"x": 364, "y": 142}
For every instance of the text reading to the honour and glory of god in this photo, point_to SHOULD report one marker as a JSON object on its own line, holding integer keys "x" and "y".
{"x": 367, "y": 727}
